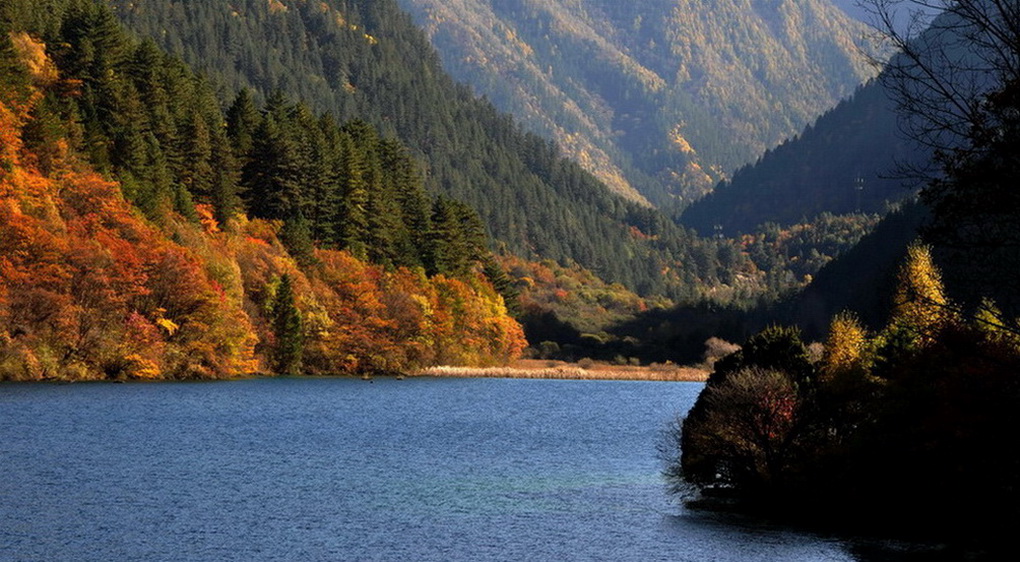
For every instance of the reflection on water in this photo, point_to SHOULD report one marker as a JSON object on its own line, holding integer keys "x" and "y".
{"x": 422, "y": 469}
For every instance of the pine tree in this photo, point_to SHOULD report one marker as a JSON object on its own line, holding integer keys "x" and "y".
{"x": 297, "y": 237}
{"x": 503, "y": 284}
{"x": 197, "y": 174}
{"x": 383, "y": 224}
{"x": 225, "y": 194}
{"x": 405, "y": 184}
{"x": 243, "y": 120}
{"x": 456, "y": 240}
{"x": 324, "y": 194}
{"x": 270, "y": 177}
{"x": 287, "y": 329}
{"x": 352, "y": 217}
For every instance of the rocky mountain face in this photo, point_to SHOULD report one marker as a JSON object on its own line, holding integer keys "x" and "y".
{"x": 659, "y": 98}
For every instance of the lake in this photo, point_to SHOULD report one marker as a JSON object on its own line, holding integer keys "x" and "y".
{"x": 338, "y": 469}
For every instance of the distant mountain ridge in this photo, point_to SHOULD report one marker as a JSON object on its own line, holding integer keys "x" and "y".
{"x": 901, "y": 18}
{"x": 659, "y": 98}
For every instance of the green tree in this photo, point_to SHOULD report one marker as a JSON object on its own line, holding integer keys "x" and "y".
{"x": 287, "y": 330}
{"x": 456, "y": 240}
{"x": 352, "y": 211}
{"x": 270, "y": 176}
{"x": 242, "y": 122}
{"x": 198, "y": 175}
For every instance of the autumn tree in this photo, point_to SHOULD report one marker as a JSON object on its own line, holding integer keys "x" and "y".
{"x": 846, "y": 346}
{"x": 745, "y": 431}
{"x": 920, "y": 308}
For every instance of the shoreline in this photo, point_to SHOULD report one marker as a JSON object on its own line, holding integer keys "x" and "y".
{"x": 520, "y": 369}
{"x": 558, "y": 370}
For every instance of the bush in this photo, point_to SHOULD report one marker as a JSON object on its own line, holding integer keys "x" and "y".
{"x": 716, "y": 349}
{"x": 548, "y": 350}
{"x": 741, "y": 430}
{"x": 775, "y": 347}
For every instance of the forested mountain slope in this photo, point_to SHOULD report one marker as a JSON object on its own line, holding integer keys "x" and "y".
{"x": 859, "y": 156}
{"x": 657, "y": 96}
{"x": 847, "y": 161}
{"x": 126, "y": 246}
{"x": 367, "y": 60}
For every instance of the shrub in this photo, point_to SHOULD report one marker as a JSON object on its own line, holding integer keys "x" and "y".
{"x": 741, "y": 431}
{"x": 776, "y": 347}
{"x": 717, "y": 348}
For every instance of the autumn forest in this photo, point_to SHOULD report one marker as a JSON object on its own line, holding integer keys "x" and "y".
{"x": 148, "y": 234}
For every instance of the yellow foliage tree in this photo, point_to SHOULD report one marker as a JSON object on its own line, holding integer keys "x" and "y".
{"x": 921, "y": 305}
{"x": 845, "y": 347}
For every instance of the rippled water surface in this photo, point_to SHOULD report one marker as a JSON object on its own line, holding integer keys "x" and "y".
{"x": 303, "y": 469}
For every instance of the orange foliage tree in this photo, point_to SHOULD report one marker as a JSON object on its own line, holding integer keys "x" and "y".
{"x": 90, "y": 290}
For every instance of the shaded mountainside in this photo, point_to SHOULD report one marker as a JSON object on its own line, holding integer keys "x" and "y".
{"x": 817, "y": 171}
{"x": 860, "y": 156}
{"x": 862, "y": 280}
{"x": 368, "y": 60}
{"x": 658, "y": 97}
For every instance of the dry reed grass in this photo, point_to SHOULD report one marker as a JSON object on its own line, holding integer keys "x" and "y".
{"x": 559, "y": 370}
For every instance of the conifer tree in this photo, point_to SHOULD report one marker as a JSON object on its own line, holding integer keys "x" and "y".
{"x": 225, "y": 196}
{"x": 407, "y": 188}
{"x": 324, "y": 200}
{"x": 287, "y": 329}
{"x": 352, "y": 218}
{"x": 503, "y": 284}
{"x": 270, "y": 177}
{"x": 242, "y": 121}
{"x": 383, "y": 224}
{"x": 297, "y": 237}
{"x": 197, "y": 173}
{"x": 456, "y": 240}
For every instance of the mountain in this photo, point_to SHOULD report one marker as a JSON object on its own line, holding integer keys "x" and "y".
{"x": 367, "y": 60}
{"x": 845, "y": 162}
{"x": 659, "y": 98}
{"x": 866, "y": 153}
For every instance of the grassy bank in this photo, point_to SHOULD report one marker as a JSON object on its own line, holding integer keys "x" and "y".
{"x": 537, "y": 369}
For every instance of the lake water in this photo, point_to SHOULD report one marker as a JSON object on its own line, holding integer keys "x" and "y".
{"x": 336, "y": 469}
